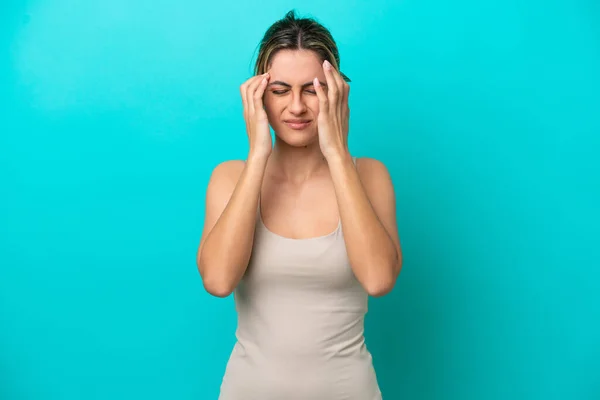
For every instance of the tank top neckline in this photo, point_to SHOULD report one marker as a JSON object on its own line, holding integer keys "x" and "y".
{"x": 289, "y": 239}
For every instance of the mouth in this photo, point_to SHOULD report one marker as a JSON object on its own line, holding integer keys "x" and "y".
{"x": 297, "y": 124}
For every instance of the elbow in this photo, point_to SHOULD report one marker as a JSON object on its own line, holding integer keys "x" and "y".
{"x": 217, "y": 286}
{"x": 380, "y": 285}
{"x": 383, "y": 284}
{"x": 379, "y": 289}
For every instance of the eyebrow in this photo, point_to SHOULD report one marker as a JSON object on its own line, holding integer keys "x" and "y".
{"x": 288, "y": 85}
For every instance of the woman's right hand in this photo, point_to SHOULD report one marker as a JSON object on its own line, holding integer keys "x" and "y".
{"x": 257, "y": 123}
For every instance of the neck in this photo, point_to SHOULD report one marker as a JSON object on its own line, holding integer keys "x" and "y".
{"x": 296, "y": 164}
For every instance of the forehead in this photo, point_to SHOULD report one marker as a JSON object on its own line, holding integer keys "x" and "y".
{"x": 295, "y": 66}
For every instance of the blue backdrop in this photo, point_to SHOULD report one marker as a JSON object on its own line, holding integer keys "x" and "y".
{"x": 113, "y": 114}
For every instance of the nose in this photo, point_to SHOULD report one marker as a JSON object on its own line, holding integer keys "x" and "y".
{"x": 297, "y": 105}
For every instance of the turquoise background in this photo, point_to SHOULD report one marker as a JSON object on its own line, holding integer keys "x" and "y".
{"x": 113, "y": 114}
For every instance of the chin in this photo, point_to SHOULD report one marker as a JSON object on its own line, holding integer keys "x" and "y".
{"x": 297, "y": 138}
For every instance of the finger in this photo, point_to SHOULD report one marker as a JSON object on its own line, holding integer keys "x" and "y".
{"x": 250, "y": 89}
{"x": 338, "y": 79}
{"x": 342, "y": 89}
{"x": 249, "y": 92}
{"x": 259, "y": 92}
{"x": 346, "y": 95}
{"x": 243, "y": 93}
{"x": 322, "y": 96}
{"x": 332, "y": 89}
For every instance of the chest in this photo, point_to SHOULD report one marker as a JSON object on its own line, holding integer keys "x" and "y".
{"x": 299, "y": 212}
{"x": 314, "y": 264}
{"x": 297, "y": 275}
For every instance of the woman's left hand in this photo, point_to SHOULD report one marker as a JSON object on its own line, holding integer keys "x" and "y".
{"x": 334, "y": 113}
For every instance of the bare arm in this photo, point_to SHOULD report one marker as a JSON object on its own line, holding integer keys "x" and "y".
{"x": 364, "y": 192}
{"x": 232, "y": 200}
{"x": 366, "y": 202}
{"x": 230, "y": 218}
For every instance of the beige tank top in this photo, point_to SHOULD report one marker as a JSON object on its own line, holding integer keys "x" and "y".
{"x": 300, "y": 324}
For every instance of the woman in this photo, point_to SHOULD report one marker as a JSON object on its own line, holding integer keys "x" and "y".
{"x": 301, "y": 231}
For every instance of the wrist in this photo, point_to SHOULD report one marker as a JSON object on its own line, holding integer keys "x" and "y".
{"x": 259, "y": 158}
{"x": 338, "y": 156}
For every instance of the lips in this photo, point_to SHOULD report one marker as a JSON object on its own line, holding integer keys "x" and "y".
{"x": 297, "y": 123}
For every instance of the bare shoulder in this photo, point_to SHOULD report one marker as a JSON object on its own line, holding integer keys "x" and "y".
{"x": 222, "y": 183}
{"x": 377, "y": 182}
{"x": 373, "y": 172}
{"x": 227, "y": 172}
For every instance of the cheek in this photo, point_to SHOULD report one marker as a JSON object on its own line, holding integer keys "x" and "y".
{"x": 272, "y": 110}
{"x": 274, "y": 104}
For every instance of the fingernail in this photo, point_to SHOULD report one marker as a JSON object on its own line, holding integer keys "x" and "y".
{"x": 316, "y": 82}
{"x": 327, "y": 64}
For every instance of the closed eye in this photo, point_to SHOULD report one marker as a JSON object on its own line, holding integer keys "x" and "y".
{"x": 285, "y": 91}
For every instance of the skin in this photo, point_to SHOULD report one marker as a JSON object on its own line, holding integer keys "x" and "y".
{"x": 306, "y": 180}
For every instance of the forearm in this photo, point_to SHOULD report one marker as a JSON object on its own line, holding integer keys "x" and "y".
{"x": 371, "y": 251}
{"x": 226, "y": 252}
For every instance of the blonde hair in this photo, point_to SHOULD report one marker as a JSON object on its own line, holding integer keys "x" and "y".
{"x": 293, "y": 33}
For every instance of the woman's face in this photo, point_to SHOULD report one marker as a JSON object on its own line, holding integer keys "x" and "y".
{"x": 290, "y": 99}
